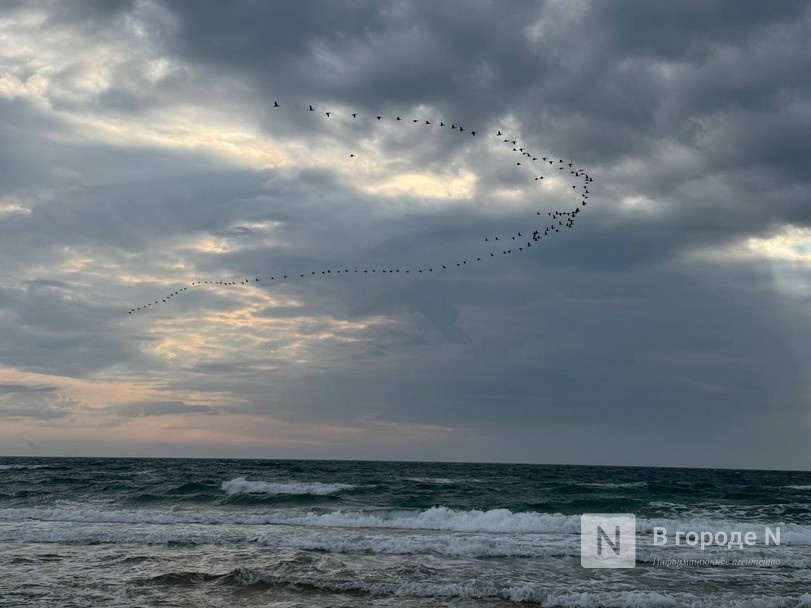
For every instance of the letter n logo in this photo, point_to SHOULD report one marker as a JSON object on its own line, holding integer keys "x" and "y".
{"x": 607, "y": 540}
{"x": 602, "y": 536}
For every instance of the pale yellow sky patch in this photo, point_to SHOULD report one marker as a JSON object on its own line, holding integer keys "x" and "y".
{"x": 73, "y": 260}
{"x": 426, "y": 185}
{"x": 787, "y": 253}
{"x": 99, "y": 393}
{"x": 213, "y": 244}
{"x": 187, "y": 128}
{"x": 130, "y": 278}
{"x": 209, "y": 130}
{"x": 247, "y": 330}
{"x": 9, "y": 206}
{"x": 790, "y": 244}
{"x": 793, "y": 244}
{"x": 68, "y": 67}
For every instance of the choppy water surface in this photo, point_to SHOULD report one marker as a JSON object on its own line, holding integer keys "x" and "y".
{"x": 199, "y": 533}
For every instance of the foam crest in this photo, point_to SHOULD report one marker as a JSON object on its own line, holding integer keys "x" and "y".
{"x": 435, "y": 518}
{"x": 240, "y": 485}
{"x": 441, "y": 481}
{"x": 295, "y": 538}
{"x": 443, "y": 518}
{"x": 494, "y": 521}
{"x": 611, "y": 486}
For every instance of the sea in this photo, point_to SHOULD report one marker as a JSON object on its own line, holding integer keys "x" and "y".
{"x": 188, "y": 533}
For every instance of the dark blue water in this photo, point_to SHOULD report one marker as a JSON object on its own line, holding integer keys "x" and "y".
{"x": 157, "y": 532}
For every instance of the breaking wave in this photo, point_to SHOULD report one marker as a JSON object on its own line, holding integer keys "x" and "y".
{"x": 240, "y": 485}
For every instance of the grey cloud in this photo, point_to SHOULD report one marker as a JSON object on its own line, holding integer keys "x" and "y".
{"x": 25, "y": 388}
{"x": 36, "y": 403}
{"x": 698, "y": 111}
{"x": 161, "y": 408}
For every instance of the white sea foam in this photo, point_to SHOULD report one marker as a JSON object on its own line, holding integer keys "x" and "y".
{"x": 16, "y": 467}
{"x": 297, "y": 538}
{"x": 494, "y": 521}
{"x": 443, "y": 518}
{"x": 442, "y": 481}
{"x": 367, "y": 542}
{"x": 435, "y": 518}
{"x": 431, "y": 480}
{"x": 797, "y": 487}
{"x": 240, "y": 485}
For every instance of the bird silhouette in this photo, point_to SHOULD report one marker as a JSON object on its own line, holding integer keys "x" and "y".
{"x": 584, "y": 178}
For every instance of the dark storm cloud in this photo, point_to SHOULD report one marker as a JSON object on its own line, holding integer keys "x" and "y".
{"x": 604, "y": 84}
{"x": 54, "y": 330}
{"x": 535, "y": 352}
{"x": 693, "y": 117}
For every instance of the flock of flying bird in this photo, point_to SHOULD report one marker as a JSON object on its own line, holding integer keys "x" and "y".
{"x": 508, "y": 245}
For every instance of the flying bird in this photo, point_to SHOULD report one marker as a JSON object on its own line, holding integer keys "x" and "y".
{"x": 536, "y": 234}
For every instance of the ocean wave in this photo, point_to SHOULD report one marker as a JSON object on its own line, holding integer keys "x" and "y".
{"x": 496, "y": 521}
{"x": 435, "y": 518}
{"x": 432, "y": 480}
{"x": 291, "y": 538}
{"x": 451, "y": 545}
{"x": 17, "y": 467}
{"x": 609, "y": 485}
{"x": 540, "y": 594}
{"x": 399, "y": 535}
{"x": 443, "y": 481}
{"x": 103, "y": 534}
{"x": 442, "y": 518}
{"x": 240, "y": 485}
{"x": 797, "y": 487}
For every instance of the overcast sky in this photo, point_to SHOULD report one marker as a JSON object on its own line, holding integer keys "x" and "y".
{"x": 140, "y": 152}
